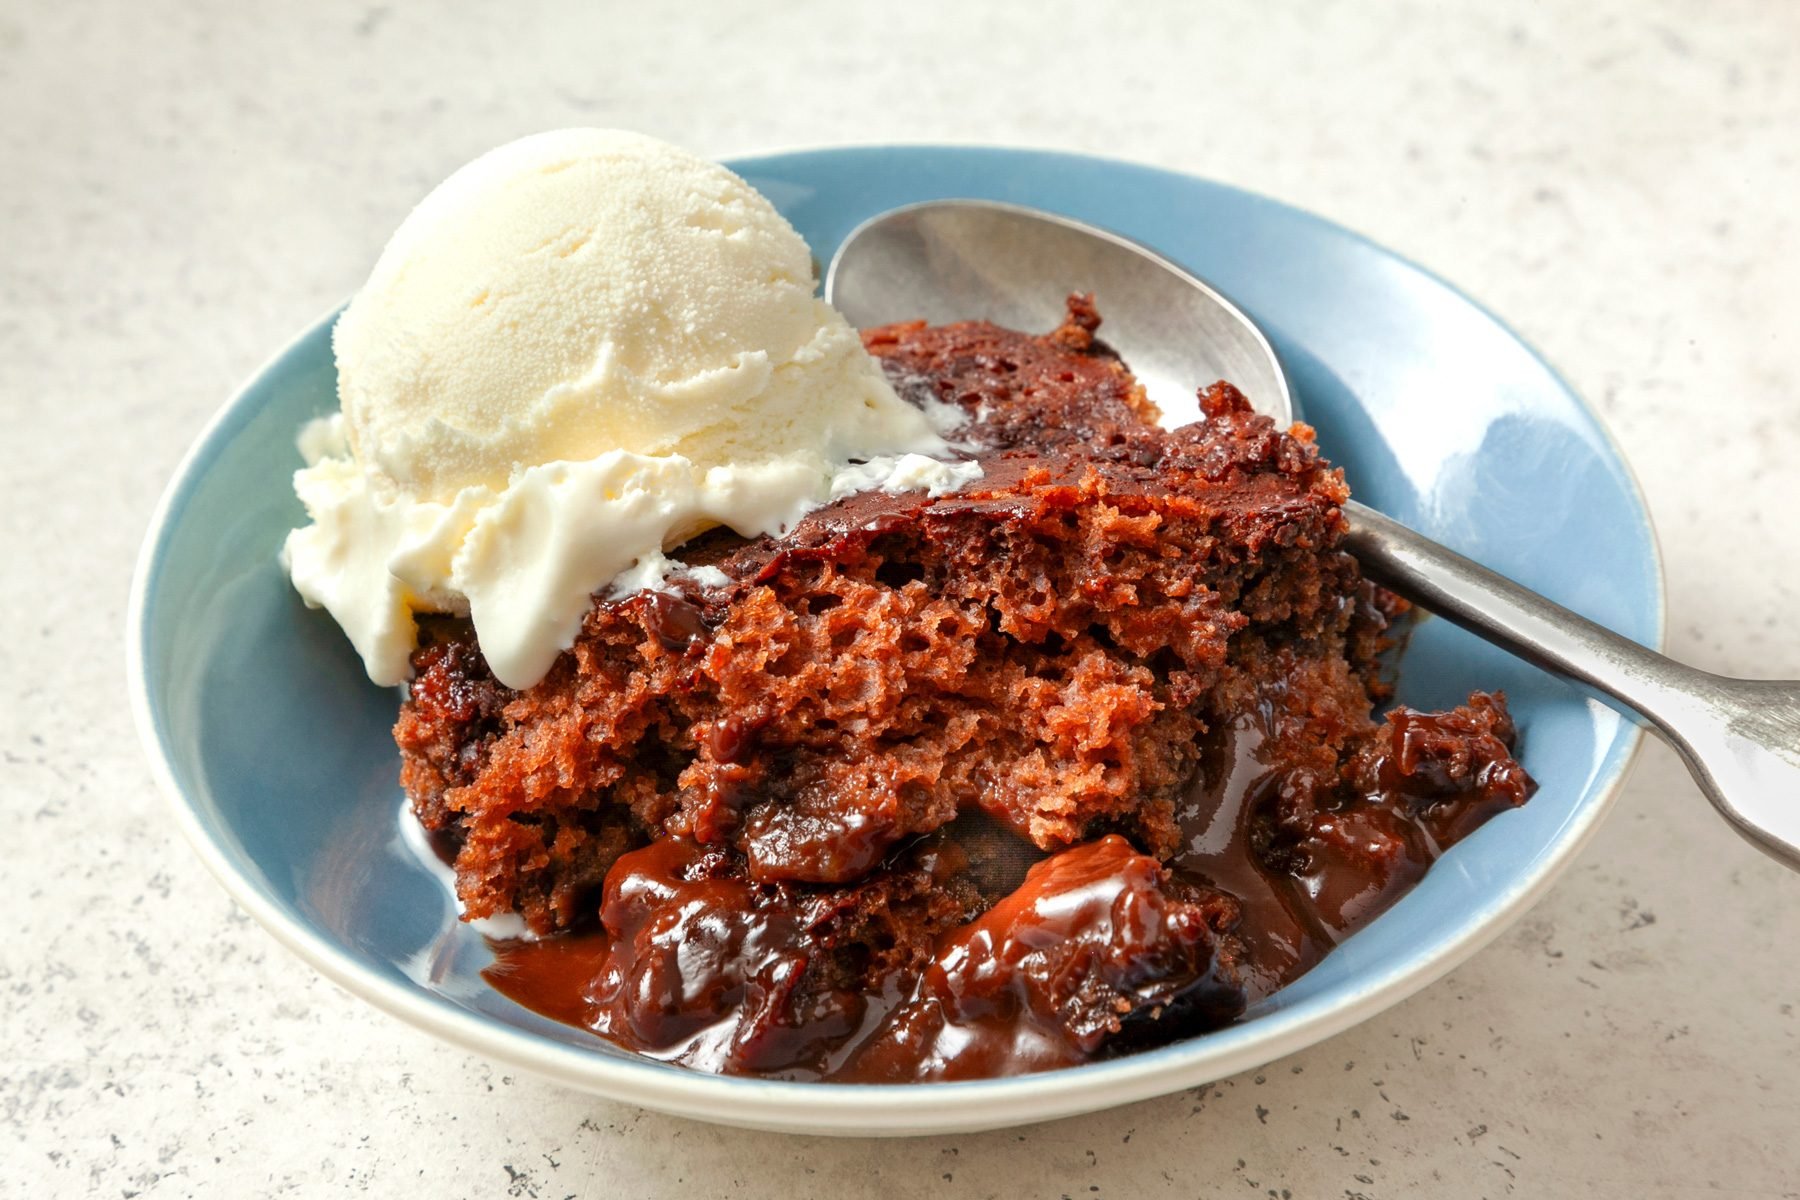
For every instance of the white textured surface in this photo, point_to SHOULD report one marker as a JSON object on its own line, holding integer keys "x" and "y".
{"x": 187, "y": 183}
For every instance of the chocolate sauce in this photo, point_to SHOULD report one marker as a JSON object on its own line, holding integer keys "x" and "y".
{"x": 692, "y": 969}
{"x": 551, "y": 977}
{"x": 712, "y": 972}
{"x": 701, "y": 971}
{"x": 1089, "y": 944}
{"x": 1097, "y": 949}
{"x": 811, "y": 839}
{"x": 674, "y": 622}
{"x": 1454, "y": 770}
{"x": 1281, "y": 931}
{"x": 1311, "y": 862}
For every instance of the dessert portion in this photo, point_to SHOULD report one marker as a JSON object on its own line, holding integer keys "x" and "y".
{"x": 983, "y": 725}
{"x": 1077, "y": 758}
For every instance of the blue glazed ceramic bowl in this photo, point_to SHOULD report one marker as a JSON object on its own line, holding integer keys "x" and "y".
{"x": 275, "y": 748}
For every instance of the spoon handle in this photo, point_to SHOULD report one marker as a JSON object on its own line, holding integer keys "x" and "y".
{"x": 1739, "y": 737}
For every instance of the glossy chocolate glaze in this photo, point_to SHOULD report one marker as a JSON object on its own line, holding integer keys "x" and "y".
{"x": 1093, "y": 946}
{"x": 1099, "y": 949}
{"x": 1281, "y": 932}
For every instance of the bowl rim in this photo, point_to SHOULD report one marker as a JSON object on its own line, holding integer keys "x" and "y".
{"x": 862, "y": 1109}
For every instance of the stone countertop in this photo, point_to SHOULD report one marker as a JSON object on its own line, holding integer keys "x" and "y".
{"x": 185, "y": 184}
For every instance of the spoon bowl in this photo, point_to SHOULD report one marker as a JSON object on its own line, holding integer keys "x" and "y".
{"x": 947, "y": 260}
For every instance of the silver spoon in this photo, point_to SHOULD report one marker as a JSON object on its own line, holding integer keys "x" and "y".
{"x": 948, "y": 260}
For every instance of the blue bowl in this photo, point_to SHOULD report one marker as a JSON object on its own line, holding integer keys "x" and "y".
{"x": 275, "y": 748}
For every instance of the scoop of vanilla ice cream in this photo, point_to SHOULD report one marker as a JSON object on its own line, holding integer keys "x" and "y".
{"x": 580, "y": 349}
{"x": 591, "y": 290}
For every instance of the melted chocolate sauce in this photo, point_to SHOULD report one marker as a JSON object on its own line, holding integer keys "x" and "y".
{"x": 1096, "y": 949}
{"x": 1090, "y": 943}
{"x": 694, "y": 967}
{"x": 551, "y": 977}
{"x": 1281, "y": 932}
{"x": 674, "y": 622}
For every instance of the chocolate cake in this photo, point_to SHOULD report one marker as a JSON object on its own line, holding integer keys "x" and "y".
{"x": 1078, "y": 758}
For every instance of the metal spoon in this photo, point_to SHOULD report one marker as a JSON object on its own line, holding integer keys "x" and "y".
{"x": 949, "y": 260}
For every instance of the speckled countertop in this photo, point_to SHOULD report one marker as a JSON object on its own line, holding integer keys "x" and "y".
{"x": 182, "y": 185}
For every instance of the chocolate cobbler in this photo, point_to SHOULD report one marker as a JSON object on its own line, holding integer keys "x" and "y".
{"x": 1078, "y": 759}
